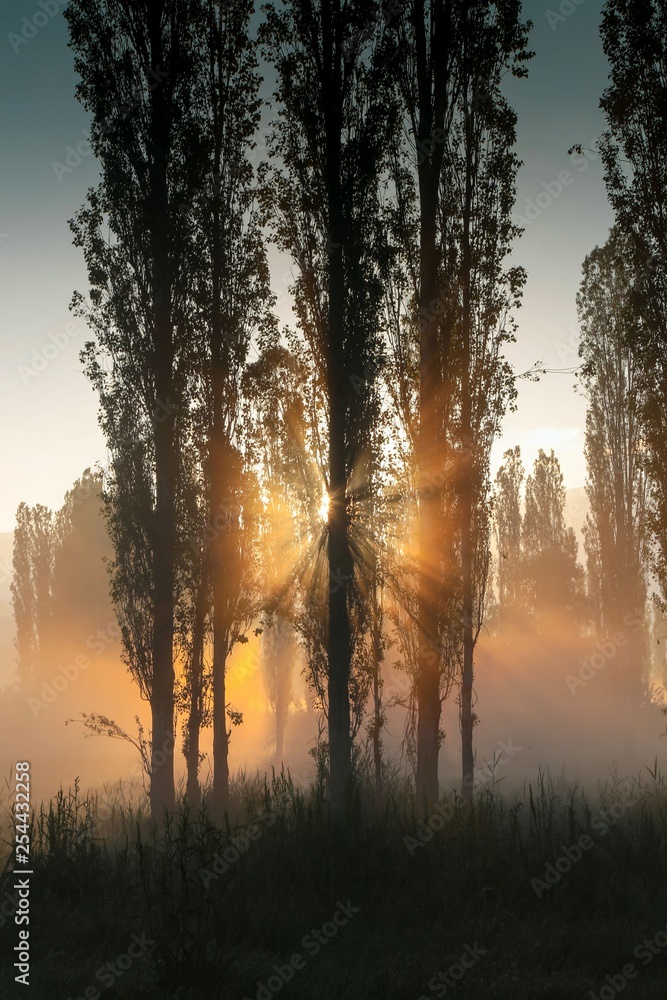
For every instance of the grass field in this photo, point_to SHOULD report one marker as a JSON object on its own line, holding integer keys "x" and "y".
{"x": 546, "y": 894}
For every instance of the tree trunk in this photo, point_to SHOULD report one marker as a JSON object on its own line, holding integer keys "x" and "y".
{"x": 281, "y": 721}
{"x": 430, "y": 483}
{"x": 339, "y": 643}
{"x": 433, "y": 40}
{"x": 220, "y": 733}
{"x": 162, "y": 792}
{"x": 284, "y": 648}
{"x": 467, "y": 720}
{"x": 196, "y": 695}
{"x": 220, "y": 524}
{"x": 466, "y": 493}
{"x": 339, "y": 647}
{"x": 377, "y": 708}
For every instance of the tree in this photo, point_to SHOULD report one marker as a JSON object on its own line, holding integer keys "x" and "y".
{"x": 331, "y": 138}
{"x": 136, "y": 81}
{"x": 177, "y": 291}
{"x": 427, "y": 38}
{"x": 230, "y": 283}
{"x": 634, "y": 153}
{"x": 35, "y": 543}
{"x": 193, "y": 610}
{"x": 616, "y": 535}
{"x": 478, "y": 233}
{"x": 507, "y": 530}
{"x": 81, "y": 602}
{"x": 553, "y": 577}
{"x": 279, "y": 652}
{"x": 23, "y": 601}
{"x": 284, "y": 398}
{"x": 60, "y": 591}
{"x": 450, "y": 59}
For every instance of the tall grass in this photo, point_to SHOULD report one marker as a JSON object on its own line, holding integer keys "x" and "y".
{"x": 222, "y": 905}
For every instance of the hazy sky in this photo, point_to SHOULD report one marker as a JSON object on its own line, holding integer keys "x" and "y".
{"x": 49, "y": 423}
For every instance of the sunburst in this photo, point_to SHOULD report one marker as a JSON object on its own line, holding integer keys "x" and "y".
{"x": 324, "y": 507}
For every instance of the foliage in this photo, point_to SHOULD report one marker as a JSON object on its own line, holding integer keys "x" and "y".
{"x": 616, "y": 529}
{"x": 634, "y": 153}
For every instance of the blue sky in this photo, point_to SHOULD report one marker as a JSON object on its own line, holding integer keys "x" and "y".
{"x": 48, "y": 409}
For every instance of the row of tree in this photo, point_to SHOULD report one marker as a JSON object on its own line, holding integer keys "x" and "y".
{"x": 389, "y": 182}
{"x": 60, "y": 594}
{"x": 536, "y": 552}
{"x": 331, "y": 480}
{"x": 621, "y": 307}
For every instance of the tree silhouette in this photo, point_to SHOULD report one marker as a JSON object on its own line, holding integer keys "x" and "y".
{"x": 616, "y": 535}
{"x": 455, "y": 229}
{"x": 32, "y": 591}
{"x": 81, "y": 601}
{"x": 507, "y": 530}
{"x": 231, "y": 300}
{"x": 634, "y": 153}
{"x": 331, "y": 139}
{"x": 553, "y": 576}
{"x": 136, "y": 81}
{"x": 480, "y": 170}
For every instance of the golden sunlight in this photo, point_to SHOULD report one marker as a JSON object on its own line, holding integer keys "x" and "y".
{"x": 324, "y": 506}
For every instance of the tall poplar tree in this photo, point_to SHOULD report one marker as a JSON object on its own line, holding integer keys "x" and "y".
{"x": 553, "y": 576}
{"x": 331, "y": 139}
{"x": 456, "y": 222}
{"x": 507, "y": 530}
{"x": 634, "y": 153}
{"x": 134, "y": 63}
{"x": 616, "y": 535}
{"x": 231, "y": 303}
{"x": 478, "y": 234}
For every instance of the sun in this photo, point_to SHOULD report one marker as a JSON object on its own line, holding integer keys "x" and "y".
{"x": 324, "y": 506}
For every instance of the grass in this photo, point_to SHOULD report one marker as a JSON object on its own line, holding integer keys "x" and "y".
{"x": 214, "y": 910}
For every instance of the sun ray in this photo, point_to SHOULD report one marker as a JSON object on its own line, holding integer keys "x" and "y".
{"x": 324, "y": 506}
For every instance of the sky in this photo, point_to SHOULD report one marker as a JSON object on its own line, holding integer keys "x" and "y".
{"x": 48, "y": 410}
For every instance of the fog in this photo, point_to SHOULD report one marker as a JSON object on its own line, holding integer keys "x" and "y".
{"x": 555, "y": 699}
